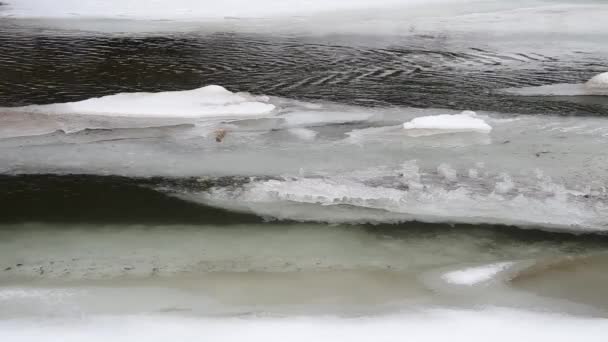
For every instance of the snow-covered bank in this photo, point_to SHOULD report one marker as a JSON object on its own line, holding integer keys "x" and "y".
{"x": 428, "y": 325}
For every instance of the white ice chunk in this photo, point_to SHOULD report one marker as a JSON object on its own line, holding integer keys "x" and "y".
{"x": 475, "y": 275}
{"x": 207, "y": 102}
{"x": 467, "y": 121}
{"x": 598, "y": 83}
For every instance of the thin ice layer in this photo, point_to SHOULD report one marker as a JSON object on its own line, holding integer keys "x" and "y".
{"x": 318, "y": 118}
{"x": 192, "y": 9}
{"x": 597, "y": 85}
{"x": 206, "y": 102}
{"x": 407, "y": 194}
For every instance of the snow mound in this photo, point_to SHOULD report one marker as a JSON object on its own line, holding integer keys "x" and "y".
{"x": 466, "y": 121}
{"x": 207, "y": 102}
{"x": 598, "y": 83}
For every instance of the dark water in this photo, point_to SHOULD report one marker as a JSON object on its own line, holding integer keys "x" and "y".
{"x": 104, "y": 200}
{"x": 43, "y": 66}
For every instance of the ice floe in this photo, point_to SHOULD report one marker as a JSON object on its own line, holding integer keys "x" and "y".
{"x": 467, "y": 121}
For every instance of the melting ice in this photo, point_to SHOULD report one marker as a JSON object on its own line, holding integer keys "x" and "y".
{"x": 399, "y": 164}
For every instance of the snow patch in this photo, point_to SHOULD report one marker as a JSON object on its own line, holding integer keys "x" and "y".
{"x": 207, "y": 102}
{"x": 466, "y": 121}
{"x": 598, "y": 83}
{"x": 439, "y": 324}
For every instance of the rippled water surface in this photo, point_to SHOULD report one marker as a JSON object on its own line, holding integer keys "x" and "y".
{"x": 39, "y": 66}
{"x": 337, "y": 187}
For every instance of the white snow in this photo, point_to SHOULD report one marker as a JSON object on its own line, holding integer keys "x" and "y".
{"x": 475, "y": 275}
{"x": 598, "y": 83}
{"x": 467, "y": 121}
{"x": 496, "y": 324}
{"x": 206, "y": 102}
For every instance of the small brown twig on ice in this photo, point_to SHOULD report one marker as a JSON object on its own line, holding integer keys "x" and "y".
{"x": 220, "y": 134}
